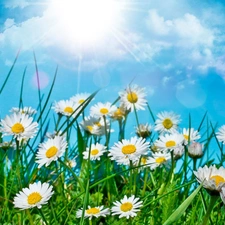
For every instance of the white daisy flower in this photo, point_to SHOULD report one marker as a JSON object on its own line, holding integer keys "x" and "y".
{"x": 80, "y": 98}
{"x": 36, "y": 195}
{"x": 213, "y": 179}
{"x": 6, "y": 145}
{"x": 158, "y": 160}
{"x": 96, "y": 151}
{"x": 65, "y": 107}
{"x": 119, "y": 114}
{"x": 169, "y": 141}
{"x": 167, "y": 122}
{"x": 21, "y": 126}
{"x": 93, "y": 212}
{"x": 71, "y": 163}
{"x": 102, "y": 109}
{"x": 144, "y": 130}
{"x": 129, "y": 150}
{"x": 127, "y": 207}
{"x": 133, "y": 96}
{"x": 190, "y": 135}
{"x": 25, "y": 110}
{"x": 143, "y": 163}
{"x": 51, "y": 150}
{"x": 95, "y": 126}
{"x": 220, "y": 135}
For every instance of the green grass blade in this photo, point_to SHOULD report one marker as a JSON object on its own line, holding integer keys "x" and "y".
{"x": 9, "y": 73}
{"x": 49, "y": 94}
{"x": 181, "y": 209}
{"x": 21, "y": 89}
{"x": 39, "y": 91}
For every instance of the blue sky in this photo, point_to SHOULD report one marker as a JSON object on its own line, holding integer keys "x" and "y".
{"x": 174, "y": 48}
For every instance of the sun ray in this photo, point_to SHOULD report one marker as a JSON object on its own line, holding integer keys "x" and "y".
{"x": 122, "y": 40}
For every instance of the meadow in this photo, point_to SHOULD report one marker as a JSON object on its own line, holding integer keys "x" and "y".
{"x": 75, "y": 162}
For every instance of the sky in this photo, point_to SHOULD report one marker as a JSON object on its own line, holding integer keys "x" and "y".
{"x": 173, "y": 48}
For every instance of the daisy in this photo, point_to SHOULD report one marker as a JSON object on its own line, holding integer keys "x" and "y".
{"x": 21, "y": 126}
{"x": 36, "y": 195}
{"x": 65, "y": 107}
{"x": 51, "y": 150}
{"x": 195, "y": 150}
{"x": 190, "y": 135}
{"x": 213, "y": 179}
{"x": 80, "y": 98}
{"x": 25, "y": 110}
{"x": 95, "y": 125}
{"x": 101, "y": 109}
{"x": 144, "y": 130}
{"x": 96, "y": 151}
{"x": 127, "y": 207}
{"x": 133, "y": 97}
{"x": 129, "y": 150}
{"x": 220, "y": 135}
{"x": 119, "y": 114}
{"x": 169, "y": 141}
{"x": 6, "y": 145}
{"x": 158, "y": 160}
{"x": 142, "y": 163}
{"x": 71, "y": 163}
{"x": 93, "y": 212}
{"x": 167, "y": 122}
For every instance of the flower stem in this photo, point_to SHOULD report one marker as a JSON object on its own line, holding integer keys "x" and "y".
{"x": 212, "y": 202}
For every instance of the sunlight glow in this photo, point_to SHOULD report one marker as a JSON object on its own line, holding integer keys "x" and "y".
{"x": 84, "y": 21}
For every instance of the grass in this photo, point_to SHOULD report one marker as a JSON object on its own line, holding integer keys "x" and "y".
{"x": 170, "y": 195}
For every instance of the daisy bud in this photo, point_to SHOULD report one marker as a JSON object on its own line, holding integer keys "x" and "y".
{"x": 195, "y": 150}
{"x": 143, "y": 130}
{"x": 178, "y": 152}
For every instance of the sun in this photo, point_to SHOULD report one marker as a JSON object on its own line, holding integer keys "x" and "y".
{"x": 84, "y": 21}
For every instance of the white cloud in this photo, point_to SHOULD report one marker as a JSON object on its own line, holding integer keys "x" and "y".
{"x": 9, "y": 23}
{"x": 186, "y": 31}
{"x": 44, "y": 34}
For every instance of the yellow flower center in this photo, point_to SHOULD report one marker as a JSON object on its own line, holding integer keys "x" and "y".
{"x": 92, "y": 211}
{"x": 51, "y": 152}
{"x": 143, "y": 160}
{"x": 167, "y": 123}
{"x": 170, "y": 144}
{"x": 68, "y": 109}
{"x": 104, "y": 111}
{"x": 128, "y": 149}
{"x": 186, "y": 137}
{"x": 34, "y": 198}
{"x": 17, "y": 128}
{"x": 127, "y": 206}
{"x": 118, "y": 113}
{"x": 97, "y": 124}
{"x": 160, "y": 160}
{"x": 94, "y": 151}
{"x": 90, "y": 128}
{"x": 81, "y": 101}
{"x": 132, "y": 97}
{"x": 218, "y": 179}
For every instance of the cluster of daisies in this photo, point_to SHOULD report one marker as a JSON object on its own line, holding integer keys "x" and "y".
{"x": 38, "y": 194}
{"x": 137, "y": 151}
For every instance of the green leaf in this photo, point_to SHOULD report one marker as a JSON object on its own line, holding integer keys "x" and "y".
{"x": 181, "y": 209}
